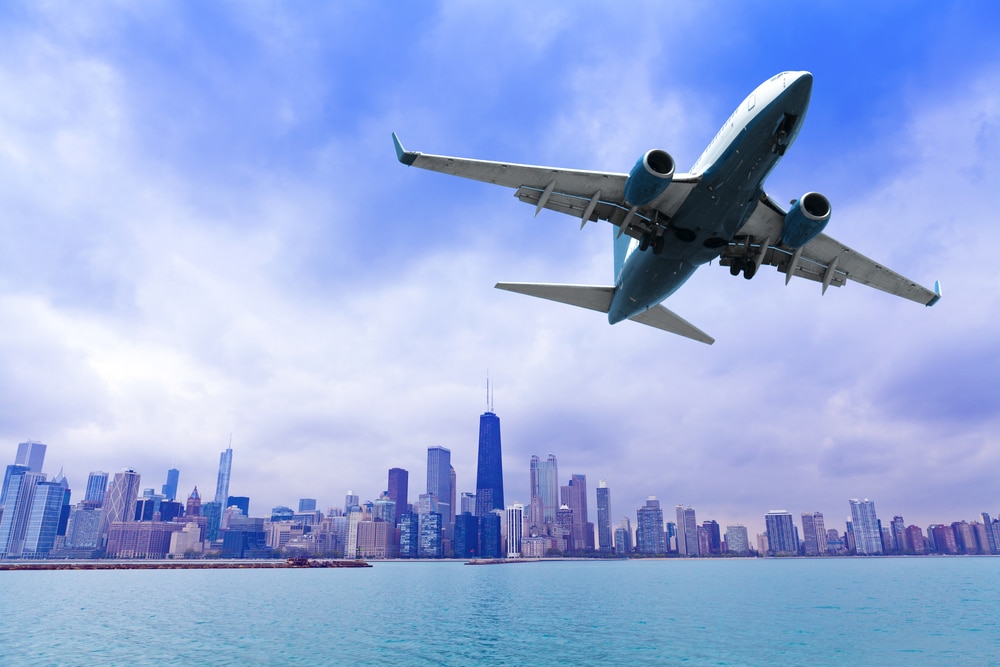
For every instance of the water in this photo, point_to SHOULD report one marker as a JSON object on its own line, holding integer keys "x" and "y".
{"x": 694, "y": 612}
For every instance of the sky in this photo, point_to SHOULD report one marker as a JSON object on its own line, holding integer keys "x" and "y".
{"x": 206, "y": 235}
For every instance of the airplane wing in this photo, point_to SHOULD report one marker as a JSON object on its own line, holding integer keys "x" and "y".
{"x": 823, "y": 259}
{"x": 587, "y": 195}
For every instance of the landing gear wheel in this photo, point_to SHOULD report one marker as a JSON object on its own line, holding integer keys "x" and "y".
{"x": 735, "y": 266}
{"x": 644, "y": 242}
{"x": 750, "y": 270}
{"x": 658, "y": 245}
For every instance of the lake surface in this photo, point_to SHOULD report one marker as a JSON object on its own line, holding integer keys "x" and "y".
{"x": 695, "y": 612}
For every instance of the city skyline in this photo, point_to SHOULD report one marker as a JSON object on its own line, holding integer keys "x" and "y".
{"x": 184, "y": 260}
{"x": 685, "y": 536}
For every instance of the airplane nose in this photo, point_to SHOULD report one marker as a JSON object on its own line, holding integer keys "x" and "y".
{"x": 798, "y": 88}
{"x": 801, "y": 80}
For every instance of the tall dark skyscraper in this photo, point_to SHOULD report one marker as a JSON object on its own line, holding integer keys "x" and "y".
{"x": 397, "y": 489}
{"x": 169, "y": 489}
{"x": 604, "y": 516}
{"x": 489, "y": 471}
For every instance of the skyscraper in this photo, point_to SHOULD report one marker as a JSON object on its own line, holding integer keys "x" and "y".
{"x": 515, "y": 529}
{"x": 397, "y": 490}
{"x": 119, "y": 502}
{"x": 19, "y": 492}
{"x": 489, "y": 468}
{"x": 780, "y": 533}
{"x": 222, "y": 484}
{"x": 867, "y": 533}
{"x": 439, "y": 483}
{"x": 604, "y": 516}
{"x": 97, "y": 485}
{"x": 813, "y": 534}
{"x": 687, "y": 532}
{"x": 623, "y": 537}
{"x": 170, "y": 488}
{"x": 713, "y": 535}
{"x": 544, "y": 485}
{"x": 737, "y": 540}
{"x": 574, "y": 496}
{"x": 43, "y": 518}
{"x": 649, "y": 535}
{"x": 31, "y": 454}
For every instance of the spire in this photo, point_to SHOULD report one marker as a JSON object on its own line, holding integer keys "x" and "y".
{"x": 194, "y": 494}
{"x": 489, "y": 393}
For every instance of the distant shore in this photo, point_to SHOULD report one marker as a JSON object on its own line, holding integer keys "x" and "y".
{"x": 180, "y": 564}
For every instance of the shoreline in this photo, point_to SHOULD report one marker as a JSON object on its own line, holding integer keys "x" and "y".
{"x": 299, "y": 563}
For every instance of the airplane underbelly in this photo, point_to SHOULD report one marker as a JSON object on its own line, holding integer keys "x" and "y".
{"x": 645, "y": 282}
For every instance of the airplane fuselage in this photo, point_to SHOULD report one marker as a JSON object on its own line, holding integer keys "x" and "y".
{"x": 732, "y": 170}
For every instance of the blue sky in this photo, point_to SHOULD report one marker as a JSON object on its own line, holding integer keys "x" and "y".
{"x": 205, "y": 232}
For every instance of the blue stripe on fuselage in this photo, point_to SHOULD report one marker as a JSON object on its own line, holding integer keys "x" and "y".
{"x": 717, "y": 207}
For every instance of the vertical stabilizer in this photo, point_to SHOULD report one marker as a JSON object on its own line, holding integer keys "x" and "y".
{"x": 621, "y": 251}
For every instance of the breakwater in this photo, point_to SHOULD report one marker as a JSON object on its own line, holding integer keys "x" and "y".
{"x": 181, "y": 564}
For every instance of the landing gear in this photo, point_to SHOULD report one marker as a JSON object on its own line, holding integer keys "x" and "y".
{"x": 742, "y": 264}
{"x": 648, "y": 240}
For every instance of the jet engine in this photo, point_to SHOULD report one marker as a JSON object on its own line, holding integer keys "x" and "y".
{"x": 649, "y": 177}
{"x": 805, "y": 220}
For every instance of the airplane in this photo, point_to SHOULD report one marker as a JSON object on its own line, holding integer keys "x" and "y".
{"x": 669, "y": 223}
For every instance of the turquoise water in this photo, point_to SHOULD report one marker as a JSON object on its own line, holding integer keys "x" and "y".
{"x": 698, "y": 612}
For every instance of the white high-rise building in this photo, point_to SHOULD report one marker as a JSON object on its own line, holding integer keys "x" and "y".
{"x": 515, "y": 529}
{"x": 867, "y": 534}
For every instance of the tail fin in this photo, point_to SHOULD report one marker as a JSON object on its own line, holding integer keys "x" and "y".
{"x": 621, "y": 250}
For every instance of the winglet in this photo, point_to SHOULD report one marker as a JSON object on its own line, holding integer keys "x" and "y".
{"x": 404, "y": 156}
{"x": 937, "y": 294}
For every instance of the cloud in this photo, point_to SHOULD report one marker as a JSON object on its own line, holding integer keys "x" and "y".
{"x": 212, "y": 236}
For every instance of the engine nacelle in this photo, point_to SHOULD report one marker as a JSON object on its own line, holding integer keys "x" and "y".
{"x": 805, "y": 220}
{"x": 649, "y": 177}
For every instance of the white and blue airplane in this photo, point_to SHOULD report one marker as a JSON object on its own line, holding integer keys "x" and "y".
{"x": 669, "y": 224}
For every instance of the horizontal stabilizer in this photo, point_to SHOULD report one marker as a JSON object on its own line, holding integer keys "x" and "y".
{"x": 665, "y": 319}
{"x": 593, "y": 297}
{"x": 596, "y": 297}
